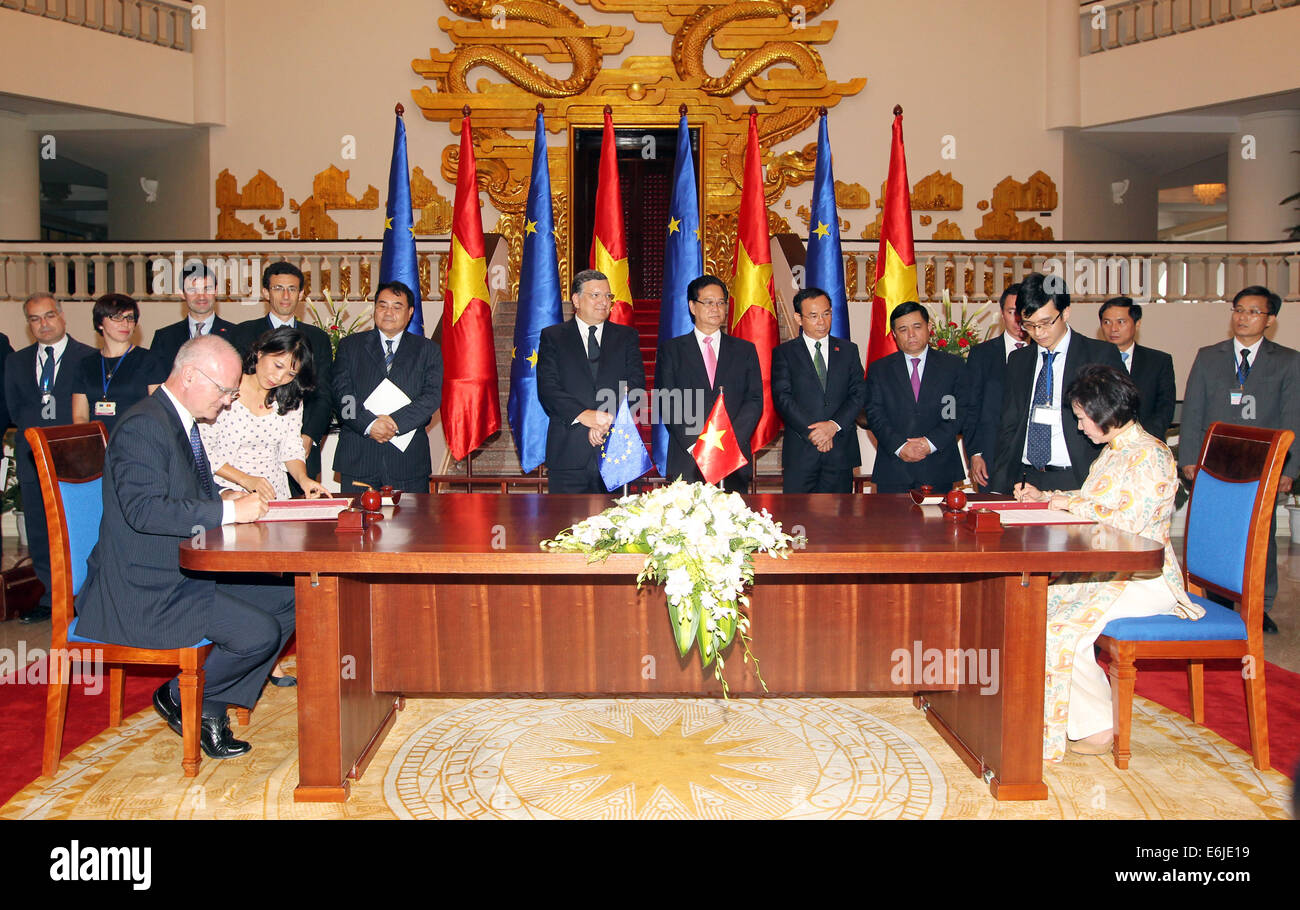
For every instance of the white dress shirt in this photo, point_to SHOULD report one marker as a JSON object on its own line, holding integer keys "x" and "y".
{"x": 187, "y": 421}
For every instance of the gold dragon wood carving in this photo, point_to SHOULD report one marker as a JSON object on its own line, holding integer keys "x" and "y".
{"x": 772, "y": 62}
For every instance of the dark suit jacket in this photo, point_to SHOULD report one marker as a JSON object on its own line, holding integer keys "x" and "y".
{"x": 135, "y": 592}
{"x": 1153, "y": 374}
{"x": 168, "y": 340}
{"x": 358, "y": 370}
{"x": 1017, "y": 393}
{"x": 680, "y": 376}
{"x": 23, "y": 398}
{"x": 5, "y": 350}
{"x": 318, "y": 404}
{"x": 1273, "y": 387}
{"x": 566, "y": 388}
{"x": 800, "y": 400}
{"x": 986, "y": 366}
{"x": 895, "y": 416}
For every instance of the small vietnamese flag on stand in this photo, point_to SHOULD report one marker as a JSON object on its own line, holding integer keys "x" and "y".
{"x": 471, "y": 406}
{"x": 716, "y": 451}
{"x": 896, "y": 259}
{"x": 753, "y": 296}
{"x": 608, "y": 242}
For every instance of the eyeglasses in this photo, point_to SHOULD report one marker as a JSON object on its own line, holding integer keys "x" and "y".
{"x": 231, "y": 393}
{"x": 1253, "y": 314}
{"x": 283, "y": 289}
{"x": 1040, "y": 326}
{"x": 715, "y": 304}
{"x": 121, "y": 318}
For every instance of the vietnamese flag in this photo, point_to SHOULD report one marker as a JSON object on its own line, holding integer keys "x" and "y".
{"x": 716, "y": 451}
{"x": 753, "y": 296}
{"x": 896, "y": 259}
{"x": 471, "y": 406}
{"x": 608, "y": 241}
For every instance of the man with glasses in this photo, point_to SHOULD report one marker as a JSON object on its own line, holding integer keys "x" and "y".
{"x": 199, "y": 287}
{"x": 158, "y": 491}
{"x": 282, "y": 285}
{"x": 38, "y": 386}
{"x": 584, "y": 367}
{"x": 1246, "y": 379}
{"x": 1039, "y": 441}
{"x": 690, "y": 371}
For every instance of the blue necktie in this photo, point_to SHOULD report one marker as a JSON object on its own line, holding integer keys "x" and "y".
{"x": 47, "y": 370}
{"x": 201, "y": 460}
{"x": 388, "y": 358}
{"x": 1243, "y": 369}
{"x": 1039, "y": 449}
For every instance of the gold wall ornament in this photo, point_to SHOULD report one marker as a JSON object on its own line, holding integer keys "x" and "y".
{"x": 330, "y": 189}
{"x": 937, "y": 192}
{"x": 771, "y": 60}
{"x": 795, "y": 166}
{"x": 925, "y": 221}
{"x": 1036, "y": 194}
{"x": 1001, "y": 224}
{"x": 872, "y": 230}
{"x": 851, "y": 195}
{"x": 314, "y": 223}
{"x": 946, "y": 230}
{"x": 230, "y": 227}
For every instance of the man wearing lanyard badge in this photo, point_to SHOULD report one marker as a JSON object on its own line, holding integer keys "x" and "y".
{"x": 1246, "y": 379}
{"x": 39, "y": 382}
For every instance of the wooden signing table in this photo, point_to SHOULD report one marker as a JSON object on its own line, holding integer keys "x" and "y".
{"x": 451, "y": 595}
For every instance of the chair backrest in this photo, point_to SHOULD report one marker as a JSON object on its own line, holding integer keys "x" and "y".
{"x": 70, "y": 465}
{"x": 1230, "y": 512}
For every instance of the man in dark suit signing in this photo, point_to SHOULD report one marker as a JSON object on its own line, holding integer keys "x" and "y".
{"x": 917, "y": 402}
{"x": 199, "y": 287}
{"x": 987, "y": 366}
{"x": 282, "y": 284}
{"x": 818, "y": 389}
{"x": 1246, "y": 380}
{"x": 387, "y": 447}
{"x": 158, "y": 492}
{"x": 584, "y": 367}
{"x": 1039, "y": 440}
{"x": 39, "y": 381}
{"x": 1152, "y": 371}
{"x": 690, "y": 371}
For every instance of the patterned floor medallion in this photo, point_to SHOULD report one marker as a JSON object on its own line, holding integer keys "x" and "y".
{"x": 687, "y": 758}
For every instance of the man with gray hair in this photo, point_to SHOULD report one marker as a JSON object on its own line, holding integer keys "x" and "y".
{"x": 584, "y": 366}
{"x": 38, "y": 384}
{"x": 158, "y": 492}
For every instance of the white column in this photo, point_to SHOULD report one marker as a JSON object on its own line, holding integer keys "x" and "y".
{"x": 20, "y": 179}
{"x": 1257, "y": 184}
{"x": 209, "y": 51}
{"x": 1061, "y": 65}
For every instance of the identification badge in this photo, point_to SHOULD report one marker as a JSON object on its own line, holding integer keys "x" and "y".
{"x": 1044, "y": 414}
{"x": 106, "y": 409}
{"x": 1234, "y": 399}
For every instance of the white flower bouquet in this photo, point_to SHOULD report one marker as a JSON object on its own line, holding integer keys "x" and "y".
{"x": 699, "y": 543}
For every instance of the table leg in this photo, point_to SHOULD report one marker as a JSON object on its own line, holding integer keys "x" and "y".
{"x": 996, "y": 726}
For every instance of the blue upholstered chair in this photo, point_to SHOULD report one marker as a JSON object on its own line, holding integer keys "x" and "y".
{"x": 70, "y": 463}
{"x": 1224, "y": 550}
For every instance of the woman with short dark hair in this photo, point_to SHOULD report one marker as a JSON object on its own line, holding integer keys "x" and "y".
{"x": 107, "y": 386}
{"x": 1131, "y": 487}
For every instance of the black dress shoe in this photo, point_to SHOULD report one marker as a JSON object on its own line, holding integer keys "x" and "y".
{"x": 167, "y": 707}
{"x": 283, "y": 681}
{"x": 1269, "y": 625}
{"x": 217, "y": 740}
{"x": 40, "y": 614}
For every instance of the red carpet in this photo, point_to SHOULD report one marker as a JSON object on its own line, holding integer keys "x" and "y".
{"x": 22, "y": 722}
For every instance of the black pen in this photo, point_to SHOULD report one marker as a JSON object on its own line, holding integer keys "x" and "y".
{"x": 1024, "y": 481}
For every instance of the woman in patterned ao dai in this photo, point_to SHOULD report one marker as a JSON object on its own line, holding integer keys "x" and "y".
{"x": 257, "y": 442}
{"x": 1131, "y": 487}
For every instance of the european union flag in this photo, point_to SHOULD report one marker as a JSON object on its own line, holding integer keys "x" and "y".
{"x": 397, "y": 262}
{"x": 539, "y": 306}
{"x": 683, "y": 263}
{"x": 825, "y": 266}
{"x": 624, "y": 457}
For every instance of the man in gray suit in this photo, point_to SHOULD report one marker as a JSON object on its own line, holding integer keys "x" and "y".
{"x": 158, "y": 491}
{"x": 1246, "y": 380}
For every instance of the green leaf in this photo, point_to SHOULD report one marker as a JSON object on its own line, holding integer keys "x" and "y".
{"x": 704, "y": 638}
{"x": 684, "y": 632}
{"x": 726, "y": 630}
